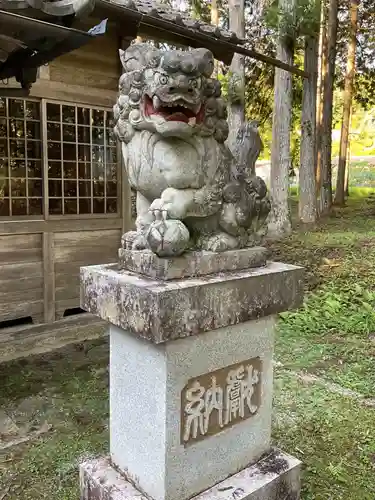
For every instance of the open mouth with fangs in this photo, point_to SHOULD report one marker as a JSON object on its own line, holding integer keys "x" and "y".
{"x": 178, "y": 111}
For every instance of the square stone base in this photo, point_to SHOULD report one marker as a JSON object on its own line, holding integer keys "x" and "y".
{"x": 191, "y": 264}
{"x": 276, "y": 476}
{"x": 168, "y": 453}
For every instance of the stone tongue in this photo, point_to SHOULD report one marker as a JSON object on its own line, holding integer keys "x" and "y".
{"x": 177, "y": 117}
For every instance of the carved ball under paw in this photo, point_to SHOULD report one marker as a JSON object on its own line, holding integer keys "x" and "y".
{"x": 168, "y": 238}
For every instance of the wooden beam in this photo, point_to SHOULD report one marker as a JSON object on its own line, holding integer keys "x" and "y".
{"x": 26, "y": 340}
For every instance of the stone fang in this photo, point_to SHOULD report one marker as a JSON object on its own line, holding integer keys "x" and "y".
{"x": 156, "y": 102}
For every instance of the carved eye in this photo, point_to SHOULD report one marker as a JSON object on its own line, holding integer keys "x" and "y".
{"x": 163, "y": 79}
{"x": 194, "y": 83}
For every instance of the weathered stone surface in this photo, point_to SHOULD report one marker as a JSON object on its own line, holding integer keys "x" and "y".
{"x": 99, "y": 480}
{"x": 275, "y": 477}
{"x": 161, "y": 311}
{"x": 190, "y": 264}
{"x": 168, "y": 449}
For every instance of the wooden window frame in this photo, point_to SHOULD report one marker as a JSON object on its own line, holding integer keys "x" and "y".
{"x": 8, "y": 140}
{"x": 120, "y": 201}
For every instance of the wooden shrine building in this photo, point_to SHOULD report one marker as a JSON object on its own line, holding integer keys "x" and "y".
{"x": 64, "y": 200}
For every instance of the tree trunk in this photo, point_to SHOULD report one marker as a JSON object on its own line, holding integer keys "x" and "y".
{"x": 215, "y": 22}
{"x": 280, "y": 223}
{"x": 214, "y": 13}
{"x": 236, "y": 109}
{"x": 347, "y": 171}
{"x": 307, "y": 193}
{"x": 348, "y": 98}
{"x": 319, "y": 98}
{"x": 326, "y": 129}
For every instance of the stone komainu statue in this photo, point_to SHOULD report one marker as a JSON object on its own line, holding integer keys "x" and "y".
{"x": 171, "y": 120}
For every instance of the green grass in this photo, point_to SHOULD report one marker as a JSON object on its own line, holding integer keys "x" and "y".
{"x": 73, "y": 388}
{"x": 333, "y": 437}
{"x": 332, "y": 336}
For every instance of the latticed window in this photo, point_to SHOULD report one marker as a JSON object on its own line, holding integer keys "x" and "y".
{"x": 21, "y": 187}
{"x": 82, "y": 160}
{"x": 64, "y": 152}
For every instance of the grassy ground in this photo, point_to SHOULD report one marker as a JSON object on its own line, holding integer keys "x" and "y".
{"x": 330, "y": 340}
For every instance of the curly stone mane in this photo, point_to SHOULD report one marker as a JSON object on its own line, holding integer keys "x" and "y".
{"x": 140, "y": 62}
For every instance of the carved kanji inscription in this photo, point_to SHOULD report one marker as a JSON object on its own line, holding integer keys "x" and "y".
{"x": 217, "y": 400}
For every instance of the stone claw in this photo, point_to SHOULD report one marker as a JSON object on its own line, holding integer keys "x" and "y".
{"x": 158, "y": 209}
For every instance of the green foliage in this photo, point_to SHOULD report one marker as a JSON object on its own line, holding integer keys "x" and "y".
{"x": 364, "y": 89}
{"x": 302, "y": 21}
{"x": 347, "y": 311}
{"x": 200, "y": 10}
{"x": 231, "y": 87}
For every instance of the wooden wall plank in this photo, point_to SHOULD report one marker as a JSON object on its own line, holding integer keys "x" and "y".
{"x": 20, "y": 242}
{"x": 49, "y": 277}
{"x": 21, "y": 308}
{"x": 21, "y": 281}
{"x": 88, "y": 239}
{"x": 94, "y": 65}
{"x": 58, "y": 225}
{"x": 65, "y": 280}
{"x": 73, "y": 250}
{"x": 18, "y": 271}
{"x": 72, "y": 268}
{"x": 27, "y": 283}
{"x": 23, "y": 255}
{"x": 73, "y": 93}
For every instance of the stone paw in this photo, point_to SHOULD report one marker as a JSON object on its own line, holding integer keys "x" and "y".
{"x": 219, "y": 242}
{"x": 133, "y": 240}
{"x": 166, "y": 208}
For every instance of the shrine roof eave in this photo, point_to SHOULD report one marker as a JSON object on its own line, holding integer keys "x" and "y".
{"x": 180, "y": 30}
{"x": 27, "y": 43}
{"x": 151, "y": 18}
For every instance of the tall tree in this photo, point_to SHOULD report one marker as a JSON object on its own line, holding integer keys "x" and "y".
{"x": 307, "y": 185}
{"x": 215, "y": 22}
{"x": 236, "y": 84}
{"x": 307, "y": 189}
{"x": 323, "y": 49}
{"x": 348, "y": 99}
{"x": 280, "y": 223}
{"x": 326, "y": 126}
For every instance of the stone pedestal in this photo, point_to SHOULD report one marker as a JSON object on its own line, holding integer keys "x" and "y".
{"x": 191, "y": 375}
